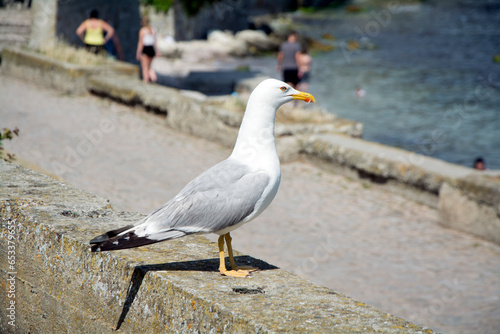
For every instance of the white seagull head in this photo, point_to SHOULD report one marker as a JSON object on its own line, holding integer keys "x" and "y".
{"x": 277, "y": 93}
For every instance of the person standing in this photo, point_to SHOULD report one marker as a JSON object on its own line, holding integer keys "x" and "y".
{"x": 288, "y": 59}
{"x": 146, "y": 50}
{"x": 95, "y": 33}
{"x": 304, "y": 63}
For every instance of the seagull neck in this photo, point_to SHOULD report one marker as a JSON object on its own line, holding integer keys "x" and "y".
{"x": 256, "y": 135}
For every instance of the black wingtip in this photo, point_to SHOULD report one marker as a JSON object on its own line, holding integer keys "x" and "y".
{"x": 95, "y": 248}
{"x": 128, "y": 240}
{"x": 109, "y": 235}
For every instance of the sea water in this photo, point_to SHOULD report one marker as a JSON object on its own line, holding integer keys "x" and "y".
{"x": 431, "y": 85}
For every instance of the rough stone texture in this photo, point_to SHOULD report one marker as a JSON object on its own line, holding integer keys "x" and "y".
{"x": 168, "y": 287}
{"x": 69, "y": 78}
{"x": 472, "y": 205}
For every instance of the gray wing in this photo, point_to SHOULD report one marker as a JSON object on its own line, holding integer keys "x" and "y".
{"x": 220, "y": 197}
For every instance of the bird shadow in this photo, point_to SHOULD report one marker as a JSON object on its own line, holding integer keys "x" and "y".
{"x": 208, "y": 265}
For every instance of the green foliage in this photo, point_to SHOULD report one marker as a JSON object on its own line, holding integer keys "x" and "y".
{"x": 311, "y": 6}
{"x": 308, "y": 10}
{"x": 7, "y": 134}
{"x": 191, "y": 7}
{"x": 159, "y": 5}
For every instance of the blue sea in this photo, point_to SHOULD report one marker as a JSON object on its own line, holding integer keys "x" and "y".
{"x": 431, "y": 85}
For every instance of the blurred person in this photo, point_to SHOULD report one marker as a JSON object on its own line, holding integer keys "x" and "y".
{"x": 114, "y": 48}
{"x": 288, "y": 59}
{"x": 479, "y": 164}
{"x": 95, "y": 33}
{"x": 359, "y": 92}
{"x": 146, "y": 50}
{"x": 304, "y": 65}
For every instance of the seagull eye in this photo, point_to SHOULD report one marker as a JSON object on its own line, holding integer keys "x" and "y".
{"x": 283, "y": 88}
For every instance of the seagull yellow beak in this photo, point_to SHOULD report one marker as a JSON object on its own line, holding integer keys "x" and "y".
{"x": 303, "y": 96}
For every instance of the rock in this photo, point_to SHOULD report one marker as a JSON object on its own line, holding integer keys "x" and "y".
{"x": 221, "y": 37}
{"x": 169, "y": 48}
{"x": 282, "y": 26}
{"x": 258, "y": 40}
{"x": 218, "y": 44}
{"x": 227, "y": 43}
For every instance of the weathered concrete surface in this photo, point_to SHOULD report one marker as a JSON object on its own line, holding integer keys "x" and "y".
{"x": 168, "y": 287}
{"x": 69, "y": 78}
{"x": 472, "y": 204}
{"x": 384, "y": 165}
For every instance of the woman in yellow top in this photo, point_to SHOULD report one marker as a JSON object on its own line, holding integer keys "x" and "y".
{"x": 92, "y": 30}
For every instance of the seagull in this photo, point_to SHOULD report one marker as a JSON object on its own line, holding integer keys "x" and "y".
{"x": 227, "y": 195}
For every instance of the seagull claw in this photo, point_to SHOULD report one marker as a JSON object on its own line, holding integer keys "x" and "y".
{"x": 236, "y": 273}
{"x": 245, "y": 268}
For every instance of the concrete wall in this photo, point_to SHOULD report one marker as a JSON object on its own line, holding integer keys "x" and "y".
{"x": 69, "y": 78}
{"x": 52, "y": 18}
{"x": 43, "y": 24}
{"x": 472, "y": 204}
{"x": 468, "y": 200}
{"x": 55, "y": 284}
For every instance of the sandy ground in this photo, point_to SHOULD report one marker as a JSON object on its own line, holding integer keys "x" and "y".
{"x": 370, "y": 244}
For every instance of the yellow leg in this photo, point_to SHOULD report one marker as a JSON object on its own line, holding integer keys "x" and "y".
{"x": 231, "y": 257}
{"x": 228, "y": 238}
{"x": 222, "y": 267}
